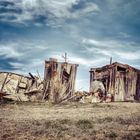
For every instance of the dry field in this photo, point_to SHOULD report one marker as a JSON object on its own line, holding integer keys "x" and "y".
{"x": 70, "y": 121}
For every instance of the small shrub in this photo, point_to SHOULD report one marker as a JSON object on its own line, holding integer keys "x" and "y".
{"x": 107, "y": 119}
{"x": 109, "y": 106}
{"x": 64, "y": 121}
{"x": 84, "y": 124}
{"x": 131, "y": 136}
{"x": 111, "y": 135}
{"x": 47, "y": 124}
{"x": 124, "y": 121}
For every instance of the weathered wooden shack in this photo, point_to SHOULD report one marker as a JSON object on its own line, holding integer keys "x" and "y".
{"x": 121, "y": 81}
{"x": 59, "y": 80}
{"x": 19, "y": 87}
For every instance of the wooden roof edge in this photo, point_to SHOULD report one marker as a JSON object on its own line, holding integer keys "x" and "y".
{"x": 127, "y": 66}
{"x": 113, "y": 65}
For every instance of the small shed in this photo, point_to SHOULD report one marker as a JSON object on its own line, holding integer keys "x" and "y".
{"x": 59, "y": 80}
{"x": 119, "y": 80}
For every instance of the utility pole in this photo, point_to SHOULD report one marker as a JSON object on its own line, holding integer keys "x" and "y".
{"x": 110, "y": 60}
{"x": 65, "y": 57}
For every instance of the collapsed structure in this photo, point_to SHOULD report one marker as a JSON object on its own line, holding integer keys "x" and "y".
{"x": 58, "y": 83}
{"x": 20, "y": 88}
{"x": 119, "y": 82}
{"x": 114, "y": 82}
{"x": 59, "y": 80}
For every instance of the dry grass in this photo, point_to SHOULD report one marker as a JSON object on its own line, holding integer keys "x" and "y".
{"x": 70, "y": 121}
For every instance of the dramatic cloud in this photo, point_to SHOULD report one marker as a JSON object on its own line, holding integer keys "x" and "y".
{"x": 120, "y": 49}
{"x": 22, "y": 59}
{"x": 90, "y": 31}
{"x": 47, "y": 12}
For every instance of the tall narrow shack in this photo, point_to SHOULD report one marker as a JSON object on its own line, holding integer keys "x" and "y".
{"x": 59, "y": 80}
{"x": 121, "y": 81}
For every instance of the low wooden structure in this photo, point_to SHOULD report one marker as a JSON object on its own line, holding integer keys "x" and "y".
{"x": 121, "y": 81}
{"x": 58, "y": 84}
{"x": 19, "y": 87}
{"x": 59, "y": 80}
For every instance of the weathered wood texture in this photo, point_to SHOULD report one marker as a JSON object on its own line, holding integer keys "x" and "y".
{"x": 120, "y": 80}
{"x": 59, "y": 80}
{"x": 15, "y": 86}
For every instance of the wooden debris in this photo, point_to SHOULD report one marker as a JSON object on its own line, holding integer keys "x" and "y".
{"x": 114, "y": 82}
{"x": 58, "y": 84}
{"x": 15, "y": 85}
{"x": 3, "y": 94}
{"x": 121, "y": 82}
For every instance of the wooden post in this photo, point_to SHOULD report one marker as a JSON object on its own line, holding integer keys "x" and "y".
{"x": 65, "y": 58}
{"x": 110, "y": 60}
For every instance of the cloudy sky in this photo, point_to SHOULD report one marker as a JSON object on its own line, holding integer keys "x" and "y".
{"x": 90, "y": 31}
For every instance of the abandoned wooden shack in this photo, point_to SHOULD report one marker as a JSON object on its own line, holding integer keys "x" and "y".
{"x": 19, "y": 88}
{"x": 58, "y": 83}
{"x": 121, "y": 81}
{"x": 59, "y": 80}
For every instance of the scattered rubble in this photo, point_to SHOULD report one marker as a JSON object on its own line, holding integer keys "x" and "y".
{"x": 17, "y": 87}
{"x": 96, "y": 97}
{"x": 57, "y": 86}
{"x": 115, "y": 82}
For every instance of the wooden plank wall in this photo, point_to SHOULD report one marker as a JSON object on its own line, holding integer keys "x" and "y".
{"x": 137, "y": 97}
{"x": 59, "y": 80}
{"x": 123, "y": 84}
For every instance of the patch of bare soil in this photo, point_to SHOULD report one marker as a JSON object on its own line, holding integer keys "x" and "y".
{"x": 70, "y": 121}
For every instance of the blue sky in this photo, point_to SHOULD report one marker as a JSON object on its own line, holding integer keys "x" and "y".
{"x": 90, "y": 31}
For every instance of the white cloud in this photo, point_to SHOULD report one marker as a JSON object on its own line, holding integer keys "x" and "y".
{"x": 9, "y": 50}
{"x": 88, "y": 62}
{"x": 129, "y": 55}
{"x": 112, "y": 48}
{"x": 81, "y": 60}
{"x": 19, "y": 48}
{"x": 17, "y": 65}
{"x": 54, "y": 10}
{"x": 105, "y": 43}
{"x": 28, "y": 56}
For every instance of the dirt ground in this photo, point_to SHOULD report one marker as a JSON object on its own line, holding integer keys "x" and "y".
{"x": 70, "y": 121}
